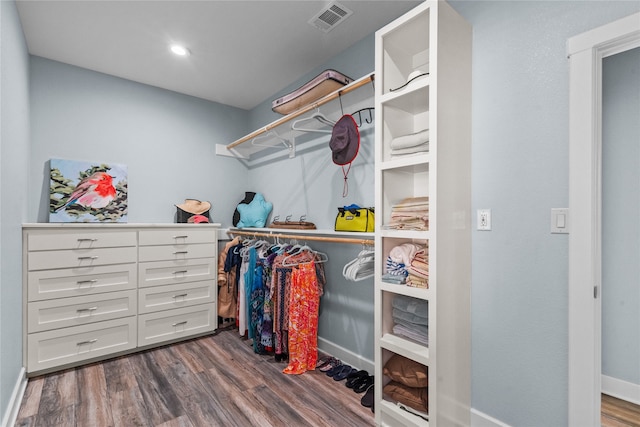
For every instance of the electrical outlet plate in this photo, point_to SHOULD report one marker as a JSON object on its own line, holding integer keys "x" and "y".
{"x": 484, "y": 219}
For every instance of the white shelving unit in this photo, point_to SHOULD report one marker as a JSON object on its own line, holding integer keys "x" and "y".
{"x": 431, "y": 38}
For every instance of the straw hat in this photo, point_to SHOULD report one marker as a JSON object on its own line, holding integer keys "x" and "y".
{"x": 194, "y": 206}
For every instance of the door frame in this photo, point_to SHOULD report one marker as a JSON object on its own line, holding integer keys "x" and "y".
{"x": 585, "y": 52}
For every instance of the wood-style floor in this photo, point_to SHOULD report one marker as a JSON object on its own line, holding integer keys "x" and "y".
{"x": 619, "y": 413}
{"x": 212, "y": 381}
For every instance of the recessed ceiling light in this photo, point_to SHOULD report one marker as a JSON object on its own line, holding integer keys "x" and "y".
{"x": 179, "y": 50}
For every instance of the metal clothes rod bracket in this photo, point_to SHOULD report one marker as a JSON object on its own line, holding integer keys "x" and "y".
{"x": 304, "y": 237}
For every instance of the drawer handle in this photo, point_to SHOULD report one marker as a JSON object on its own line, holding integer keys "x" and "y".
{"x": 180, "y": 296}
{"x": 180, "y": 272}
{"x": 181, "y": 252}
{"x": 87, "y": 240}
{"x": 80, "y": 310}
{"x": 84, "y": 258}
{"x": 82, "y": 282}
{"x": 87, "y": 342}
{"x": 184, "y": 322}
{"x": 180, "y": 237}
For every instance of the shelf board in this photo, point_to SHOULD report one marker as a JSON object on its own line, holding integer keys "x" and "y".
{"x": 393, "y": 415}
{"x": 278, "y": 135}
{"x": 406, "y": 348}
{"x": 406, "y": 234}
{"x": 411, "y": 98}
{"x": 413, "y": 163}
{"x": 410, "y": 291}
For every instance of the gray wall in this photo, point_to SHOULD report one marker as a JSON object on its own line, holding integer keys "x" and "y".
{"x": 621, "y": 217}
{"x": 520, "y": 171}
{"x": 14, "y": 166}
{"x": 166, "y": 139}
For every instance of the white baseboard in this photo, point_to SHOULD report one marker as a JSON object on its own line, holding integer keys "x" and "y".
{"x": 9, "y": 418}
{"x": 621, "y": 389}
{"x": 479, "y": 419}
{"x": 345, "y": 355}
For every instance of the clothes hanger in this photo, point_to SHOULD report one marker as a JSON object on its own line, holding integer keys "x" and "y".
{"x": 270, "y": 134}
{"x": 319, "y": 257}
{"x": 317, "y": 116}
{"x": 360, "y": 268}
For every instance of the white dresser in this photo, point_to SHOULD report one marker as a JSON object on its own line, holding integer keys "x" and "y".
{"x": 93, "y": 291}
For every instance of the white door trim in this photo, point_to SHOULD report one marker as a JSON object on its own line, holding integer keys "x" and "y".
{"x": 586, "y": 52}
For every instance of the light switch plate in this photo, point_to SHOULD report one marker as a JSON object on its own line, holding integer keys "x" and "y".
{"x": 560, "y": 220}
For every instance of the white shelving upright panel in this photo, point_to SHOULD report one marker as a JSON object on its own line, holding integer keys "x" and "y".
{"x": 431, "y": 38}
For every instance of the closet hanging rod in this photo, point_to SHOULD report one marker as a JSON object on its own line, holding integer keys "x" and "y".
{"x": 330, "y": 97}
{"x": 302, "y": 237}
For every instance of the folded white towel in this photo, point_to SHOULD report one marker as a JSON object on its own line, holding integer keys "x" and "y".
{"x": 410, "y": 140}
{"x": 422, "y": 148}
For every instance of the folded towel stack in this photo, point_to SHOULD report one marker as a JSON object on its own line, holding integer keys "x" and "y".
{"x": 408, "y": 263}
{"x": 410, "y": 144}
{"x": 419, "y": 271}
{"x": 410, "y": 214}
{"x": 410, "y": 316}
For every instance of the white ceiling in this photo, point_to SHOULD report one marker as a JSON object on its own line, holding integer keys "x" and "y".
{"x": 242, "y": 51}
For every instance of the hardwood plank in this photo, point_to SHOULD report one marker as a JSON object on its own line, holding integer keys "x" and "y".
{"x": 31, "y": 398}
{"x": 64, "y": 417}
{"x": 117, "y": 373}
{"x": 182, "y": 421}
{"x": 618, "y": 412}
{"x": 92, "y": 410}
{"x": 160, "y": 400}
{"x": 58, "y": 392}
{"x": 191, "y": 356}
{"x": 26, "y": 421}
{"x": 127, "y": 408}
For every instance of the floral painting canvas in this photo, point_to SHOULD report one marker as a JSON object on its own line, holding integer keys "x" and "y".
{"x": 87, "y": 191}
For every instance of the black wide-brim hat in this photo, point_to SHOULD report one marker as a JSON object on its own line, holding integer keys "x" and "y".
{"x": 345, "y": 140}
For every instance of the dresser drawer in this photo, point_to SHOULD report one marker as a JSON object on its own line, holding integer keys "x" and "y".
{"x": 69, "y": 345}
{"x": 64, "y": 312}
{"x": 175, "y": 324}
{"x": 73, "y": 258}
{"x": 71, "y": 282}
{"x": 176, "y": 252}
{"x": 177, "y": 236}
{"x": 175, "y": 272}
{"x": 81, "y": 239}
{"x": 175, "y": 296}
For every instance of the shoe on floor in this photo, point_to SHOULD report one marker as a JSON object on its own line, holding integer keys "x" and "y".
{"x": 332, "y": 363}
{"x": 363, "y": 385}
{"x": 337, "y": 368}
{"x": 343, "y": 373}
{"x": 355, "y": 376}
{"x": 323, "y": 361}
{"x": 332, "y": 367}
{"x": 368, "y": 398}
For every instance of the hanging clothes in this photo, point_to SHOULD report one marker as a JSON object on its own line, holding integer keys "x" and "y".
{"x": 228, "y": 266}
{"x": 278, "y": 300}
{"x": 303, "y": 319}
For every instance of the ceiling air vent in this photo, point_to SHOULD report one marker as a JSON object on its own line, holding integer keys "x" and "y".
{"x": 329, "y": 17}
